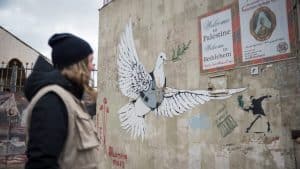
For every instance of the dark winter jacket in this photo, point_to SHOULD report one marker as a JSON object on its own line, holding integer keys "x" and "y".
{"x": 49, "y": 121}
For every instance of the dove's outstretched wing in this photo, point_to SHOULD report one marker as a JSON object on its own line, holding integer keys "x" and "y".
{"x": 176, "y": 101}
{"x": 133, "y": 77}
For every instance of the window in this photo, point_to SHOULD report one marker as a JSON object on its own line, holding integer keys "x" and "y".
{"x": 12, "y": 76}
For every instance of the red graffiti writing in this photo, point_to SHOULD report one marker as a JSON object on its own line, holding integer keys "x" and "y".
{"x": 118, "y": 158}
{"x": 111, "y": 153}
{"x": 102, "y": 126}
{"x": 119, "y": 163}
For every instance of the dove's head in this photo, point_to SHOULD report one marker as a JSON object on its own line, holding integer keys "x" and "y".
{"x": 161, "y": 58}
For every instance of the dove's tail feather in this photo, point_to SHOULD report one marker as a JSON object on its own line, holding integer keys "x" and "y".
{"x": 131, "y": 122}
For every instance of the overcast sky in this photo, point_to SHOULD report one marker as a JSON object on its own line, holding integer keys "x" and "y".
{"x": 34, "y": 21}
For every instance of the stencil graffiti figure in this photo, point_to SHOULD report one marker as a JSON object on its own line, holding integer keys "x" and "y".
{"x": 256, "y": 109}
{"x": 148, "y": 91}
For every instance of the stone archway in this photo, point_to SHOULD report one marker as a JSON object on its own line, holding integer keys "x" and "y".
{"x": 12, "y": 76}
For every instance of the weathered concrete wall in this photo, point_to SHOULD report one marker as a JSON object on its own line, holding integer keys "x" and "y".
{"x": 195, "y": 139}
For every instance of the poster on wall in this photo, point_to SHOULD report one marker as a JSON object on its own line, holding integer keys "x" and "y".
{"x": 216, "y": 40}
{"x": 264, "y": 30}
{"x": 216, "y": 44}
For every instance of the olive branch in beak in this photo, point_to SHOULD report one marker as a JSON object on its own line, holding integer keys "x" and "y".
{"x": 179, "y": 51}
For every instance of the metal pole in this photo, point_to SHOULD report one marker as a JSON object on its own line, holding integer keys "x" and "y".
{"x": 7, "y": 143}
{"x": 13, "y": 77}
{"x": 93, "y": 74}
{"x": 26, "y": 68}
{"x": 7, "y": 70}
{"x": 1, "y": 77}
{"x": 20, "y": 79}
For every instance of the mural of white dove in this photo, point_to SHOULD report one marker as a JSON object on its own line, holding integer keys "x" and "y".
{"x": 148, "y": 91}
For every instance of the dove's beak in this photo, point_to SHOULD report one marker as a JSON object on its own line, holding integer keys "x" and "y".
{"x": 167, "y": 60}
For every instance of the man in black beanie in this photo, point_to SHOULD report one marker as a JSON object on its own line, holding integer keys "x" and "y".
{"x": 57, "y": 120}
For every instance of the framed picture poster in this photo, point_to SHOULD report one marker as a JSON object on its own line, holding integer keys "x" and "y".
{"x": 216, "y": 40}
{"x": 264, "y": 30}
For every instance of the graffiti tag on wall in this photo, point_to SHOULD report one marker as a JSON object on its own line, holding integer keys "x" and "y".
{"x": 118, "y": 159}
{"x": 256, "y": 109}
{"x": 225, "y": 122}
{"x": 104, "y": 110}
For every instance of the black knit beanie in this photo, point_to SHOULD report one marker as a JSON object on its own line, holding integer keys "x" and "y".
{"x": 68, "y": 49}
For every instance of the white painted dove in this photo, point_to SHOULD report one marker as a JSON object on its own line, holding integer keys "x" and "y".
{"x": 148, "y": 91}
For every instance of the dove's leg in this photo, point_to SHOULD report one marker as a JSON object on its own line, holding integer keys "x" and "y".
{"x": 132, "y": 118}
{"x": 140, "y": 108}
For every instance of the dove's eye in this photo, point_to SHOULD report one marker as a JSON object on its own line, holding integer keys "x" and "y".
{"x": 160, "y": 56}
